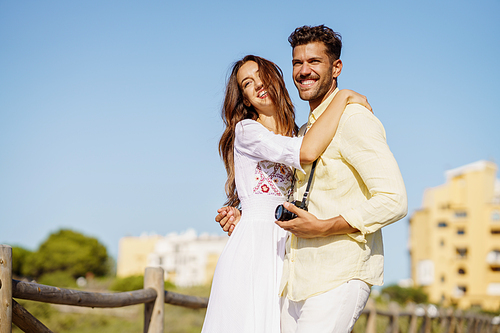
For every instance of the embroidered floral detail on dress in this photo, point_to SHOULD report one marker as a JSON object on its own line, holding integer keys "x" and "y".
{"x": 272, "y": 179}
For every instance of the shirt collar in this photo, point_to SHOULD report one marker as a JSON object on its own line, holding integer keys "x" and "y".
{"x": 314, "y": 114}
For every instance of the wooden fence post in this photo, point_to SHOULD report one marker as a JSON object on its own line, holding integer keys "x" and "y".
{"x": 154, "y": 311}
{"x": 412, "y": 325}
{"x": 445, "y": 318}
{"x": 453, "y": 321}
{"x": 394, "y": 319}
{"x": 5, "y": 289}
{"x": 371, "y": 317}
{"x": 471, "y": 321}
{"x": 461, "y": 321}
{"x": 484, "y": 324}
{"x": 427, "y": 324}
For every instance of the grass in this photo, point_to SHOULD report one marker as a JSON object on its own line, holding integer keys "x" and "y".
{"x": 86, "y": 322}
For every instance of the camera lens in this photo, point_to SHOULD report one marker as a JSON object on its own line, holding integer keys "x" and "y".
{"x": 279, "y": 212}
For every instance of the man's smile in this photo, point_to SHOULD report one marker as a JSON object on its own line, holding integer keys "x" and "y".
{"x": 307, "y": 82}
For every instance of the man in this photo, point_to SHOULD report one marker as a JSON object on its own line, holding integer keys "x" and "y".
{"x": 335, "y": 251}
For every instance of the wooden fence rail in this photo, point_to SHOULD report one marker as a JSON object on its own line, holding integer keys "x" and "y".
{"x": 153, "y": 296}
{"x": 42, "y": 293}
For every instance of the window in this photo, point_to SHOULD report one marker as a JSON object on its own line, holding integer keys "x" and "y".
{"x": 460, "y": 231}
{"x": 493, "y": 257}
{"x": 460, "y": 291}
{"x": 442, "y": 278}
{"x": 425, "y": 272}
{"x": 462, "y": 253}
{"x": 495, "y": 215}
{"x": 442, "y": 225}
{"x": 461, "y": 271}
{"x": 495, "y": 268}
{"x": 441, "y": 242}
{"x": 495, "y": 231}
{"x": 493, "y": 290}
{"x": 460, "y": 214}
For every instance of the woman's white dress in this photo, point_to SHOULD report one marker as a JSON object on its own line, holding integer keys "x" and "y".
{"x": 244, "y": 296}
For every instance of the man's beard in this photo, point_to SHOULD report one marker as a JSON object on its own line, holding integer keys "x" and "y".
{"x": 320, "y": 91}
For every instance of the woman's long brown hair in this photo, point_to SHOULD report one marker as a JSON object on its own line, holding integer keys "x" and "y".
{"x": 234, "y": 110}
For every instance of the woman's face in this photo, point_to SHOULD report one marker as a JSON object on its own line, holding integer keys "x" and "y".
{"x": 254, "y": 92}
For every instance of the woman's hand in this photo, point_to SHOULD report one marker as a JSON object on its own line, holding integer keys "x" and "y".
{"x": 228, "y": 217}
{"x": 353, "y": 97}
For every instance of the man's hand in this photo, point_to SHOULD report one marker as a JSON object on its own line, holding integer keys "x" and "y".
{"x": 306, "y": 225}
{"x": 228, "y": 217}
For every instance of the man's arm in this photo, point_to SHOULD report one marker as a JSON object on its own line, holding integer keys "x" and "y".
{"x": 364, "y": 147}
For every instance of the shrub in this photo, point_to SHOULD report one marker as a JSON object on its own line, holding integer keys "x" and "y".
{"x": 134, "y": 282}
{"x": 58, "y": 279}
{"x": 405, "y": 295}
{"x": 128, "y": 283}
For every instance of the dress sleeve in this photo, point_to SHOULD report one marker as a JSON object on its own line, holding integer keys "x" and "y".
{"x": 366, "y": 150}
{"x": 253, "y": 139}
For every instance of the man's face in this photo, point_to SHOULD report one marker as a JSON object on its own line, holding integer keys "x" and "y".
{"x": 314, "y": 74}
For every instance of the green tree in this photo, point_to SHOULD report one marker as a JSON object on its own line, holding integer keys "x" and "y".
{"x": 19, "y": 259}
{"x": 70, "y": 252}
{"x": 405, "y": 295}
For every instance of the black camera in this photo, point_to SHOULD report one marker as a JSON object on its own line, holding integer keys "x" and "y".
{"x": 283, "y": 214}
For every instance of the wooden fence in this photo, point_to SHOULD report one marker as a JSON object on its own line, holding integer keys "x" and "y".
{"x": 153, "y": 296}
{"x": 427, "y": 319}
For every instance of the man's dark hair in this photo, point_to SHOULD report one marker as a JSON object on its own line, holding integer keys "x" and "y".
{"x": 321, "y": 33}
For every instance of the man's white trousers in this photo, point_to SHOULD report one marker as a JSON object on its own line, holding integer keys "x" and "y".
{"x": 335, "y": 311}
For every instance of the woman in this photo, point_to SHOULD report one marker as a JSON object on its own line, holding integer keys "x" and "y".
{"x": 258, "y": 146}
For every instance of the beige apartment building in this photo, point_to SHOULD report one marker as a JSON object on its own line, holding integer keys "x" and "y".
{"x": 455, "y": 239}
{"x": 187, "y": 259}
{"x": 133, "y": 253}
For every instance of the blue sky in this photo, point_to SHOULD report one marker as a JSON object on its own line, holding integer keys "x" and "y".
{"x": 110, "y": 110}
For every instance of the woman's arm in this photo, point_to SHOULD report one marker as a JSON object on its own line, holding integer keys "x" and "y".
{"x": 321, "y": 133}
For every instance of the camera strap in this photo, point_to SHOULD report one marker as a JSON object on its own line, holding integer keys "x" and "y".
{"x": 306, "y": 193}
